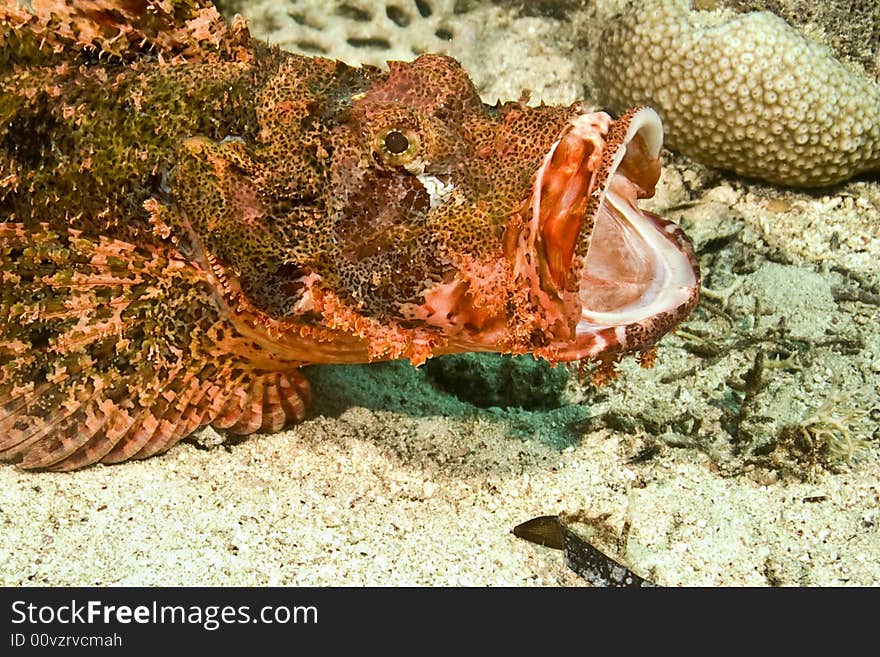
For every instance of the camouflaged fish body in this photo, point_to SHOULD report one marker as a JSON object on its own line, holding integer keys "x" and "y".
{"x": 188, "y": 216}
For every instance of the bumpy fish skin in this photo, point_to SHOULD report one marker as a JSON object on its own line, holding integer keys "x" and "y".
{"x": 187, "y": 216}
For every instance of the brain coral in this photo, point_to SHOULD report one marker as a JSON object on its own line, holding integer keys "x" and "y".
{"x": 747, "y": 93}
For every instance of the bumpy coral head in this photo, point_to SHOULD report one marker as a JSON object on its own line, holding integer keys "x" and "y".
{"x": 506, "y": 228}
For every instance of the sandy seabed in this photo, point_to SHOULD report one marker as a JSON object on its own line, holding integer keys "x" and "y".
{"x": 392, "y": 481}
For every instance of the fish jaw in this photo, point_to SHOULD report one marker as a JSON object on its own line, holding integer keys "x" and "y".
{"x": 637, "y": 274}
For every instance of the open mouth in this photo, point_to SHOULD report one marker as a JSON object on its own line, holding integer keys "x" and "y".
{"x": 634, "y": 273}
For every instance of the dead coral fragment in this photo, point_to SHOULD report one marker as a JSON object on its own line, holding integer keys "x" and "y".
{"x": 750, "y": 94}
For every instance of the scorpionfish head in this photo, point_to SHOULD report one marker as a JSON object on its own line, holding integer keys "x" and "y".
{"x": 506, "y": 228}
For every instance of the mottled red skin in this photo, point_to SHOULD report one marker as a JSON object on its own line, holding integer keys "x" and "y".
{"x": 188, "y": 216}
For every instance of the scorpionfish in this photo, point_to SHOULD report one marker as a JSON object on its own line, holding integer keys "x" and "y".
{"x": 188, "y": 216}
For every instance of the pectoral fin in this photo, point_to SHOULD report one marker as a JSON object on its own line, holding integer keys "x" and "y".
{"x": 111, "y": 351}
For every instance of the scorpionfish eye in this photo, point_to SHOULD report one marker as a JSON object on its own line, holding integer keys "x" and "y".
{"x": 397, "y": 146}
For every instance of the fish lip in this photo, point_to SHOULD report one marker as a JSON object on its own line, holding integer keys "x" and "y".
{"x": 632, "y": 275}
{"x": 565, "y": 192}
